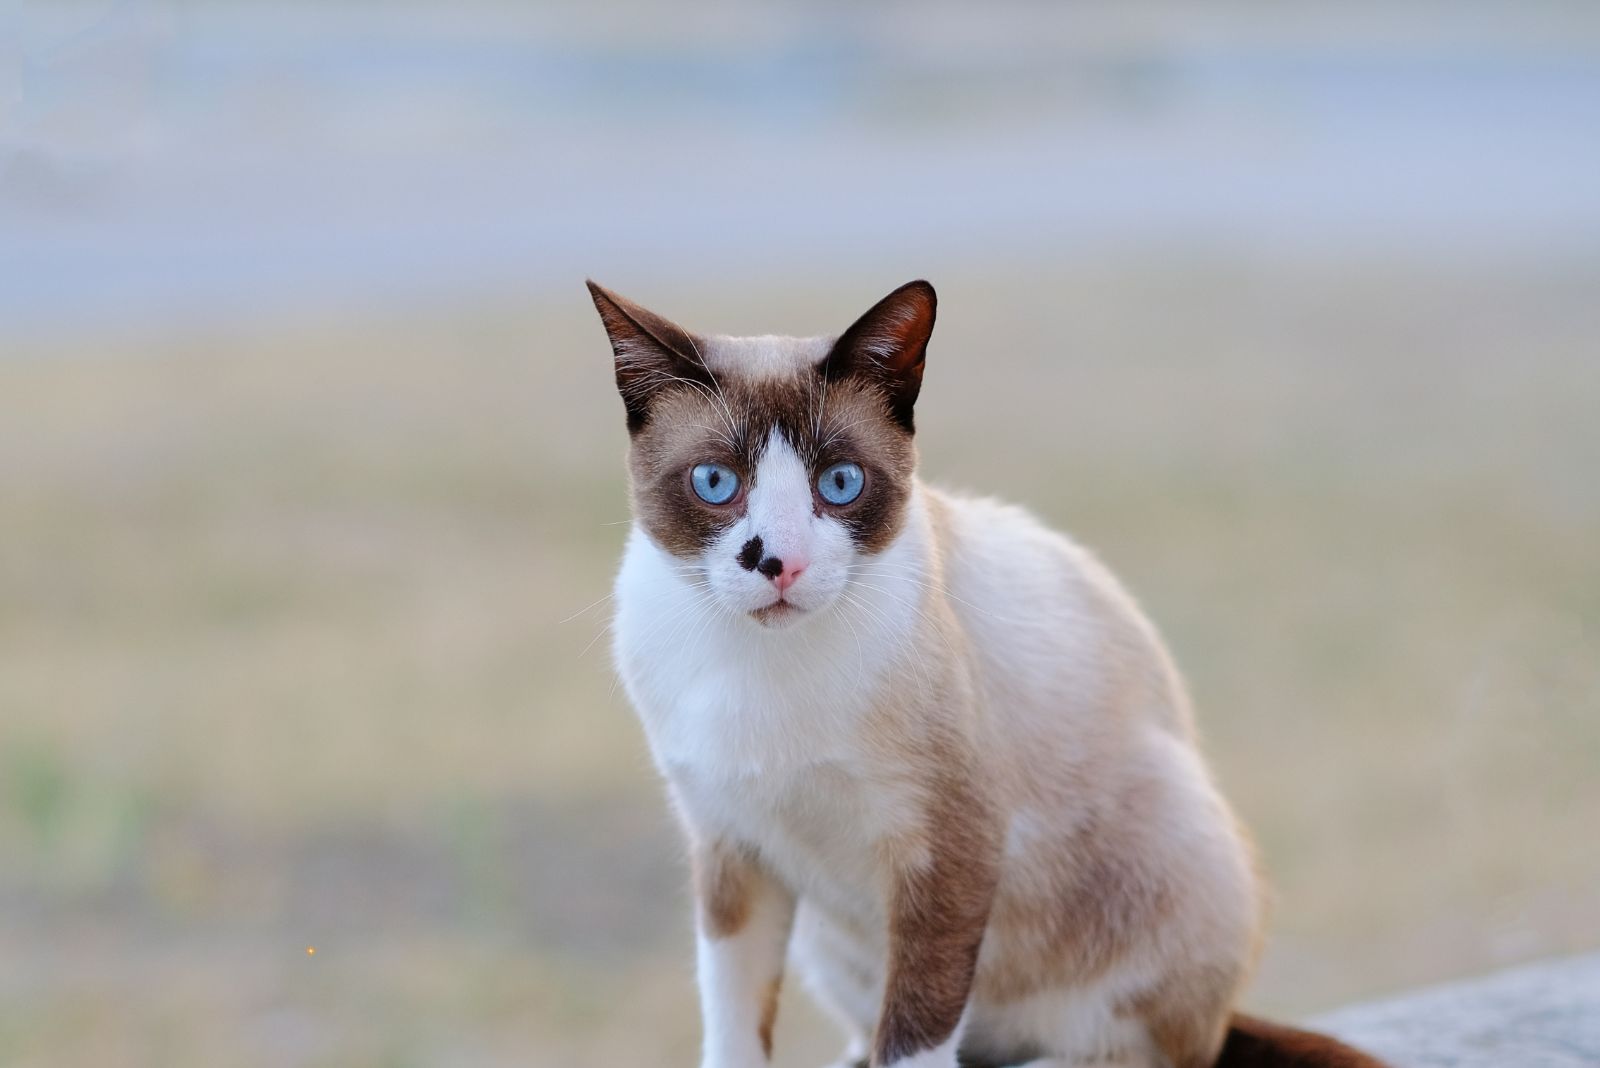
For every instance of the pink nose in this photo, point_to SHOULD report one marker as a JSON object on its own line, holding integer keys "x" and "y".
{"x": 788, "y": 576}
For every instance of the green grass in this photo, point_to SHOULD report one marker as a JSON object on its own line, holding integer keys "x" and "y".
{"x": 293, "y": 647}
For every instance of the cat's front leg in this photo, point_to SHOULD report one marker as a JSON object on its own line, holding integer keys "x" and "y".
{"x": 941, "y": 892}
{"x": 742, "y": 920}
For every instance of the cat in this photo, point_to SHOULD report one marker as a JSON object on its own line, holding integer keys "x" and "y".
{"x": 923, "y": 749}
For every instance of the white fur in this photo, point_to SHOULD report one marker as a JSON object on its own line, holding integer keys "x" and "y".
{"x": 733, "y": 973}
{"x": 763, "y": 357}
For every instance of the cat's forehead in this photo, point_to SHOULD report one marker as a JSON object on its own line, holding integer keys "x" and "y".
{"x": 763, "y": 358}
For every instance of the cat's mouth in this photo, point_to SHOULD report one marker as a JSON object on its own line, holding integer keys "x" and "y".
{"x": 778, "y": 612}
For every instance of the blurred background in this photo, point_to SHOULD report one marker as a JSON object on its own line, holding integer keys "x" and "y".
{"x": 311, "y": 478}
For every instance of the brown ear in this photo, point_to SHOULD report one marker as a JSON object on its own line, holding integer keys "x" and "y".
{"x": 888, "y": 346}
{"x": 651, "y": 353}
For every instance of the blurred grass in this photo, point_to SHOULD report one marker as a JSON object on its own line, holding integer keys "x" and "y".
{"x": 294, "y": 647}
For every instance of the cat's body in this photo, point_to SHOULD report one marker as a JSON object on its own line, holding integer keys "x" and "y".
{"x": 1119, "y": 868}
{"x": 925, "y": 749}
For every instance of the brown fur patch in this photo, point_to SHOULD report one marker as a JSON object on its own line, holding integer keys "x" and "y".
{"x": 725, "y": 886}
{"x": 769, "y": 1013}
{"x": 686, "y": 429}
{"x": 857, "y": 428}
{"x": 937, "y": 915}
{"x": 944, "y": 873}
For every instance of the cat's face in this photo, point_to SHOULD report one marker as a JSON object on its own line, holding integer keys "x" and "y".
{"x": 769, "y": 467}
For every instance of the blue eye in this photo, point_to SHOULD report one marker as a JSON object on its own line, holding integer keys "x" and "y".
{"x": 841, "y": 483}
{"x": 714, "y": 483}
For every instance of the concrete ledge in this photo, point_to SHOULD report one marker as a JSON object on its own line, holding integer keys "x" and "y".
{"x": 1543, "y": 1015}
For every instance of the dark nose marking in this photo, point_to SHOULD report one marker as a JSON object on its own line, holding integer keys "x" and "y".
{"x": 771, "y": 567}
{"x": 750, "y": 555}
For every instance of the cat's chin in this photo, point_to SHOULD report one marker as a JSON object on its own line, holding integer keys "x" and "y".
{"x": 777, "y": 614}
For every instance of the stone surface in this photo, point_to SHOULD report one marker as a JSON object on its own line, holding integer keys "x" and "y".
{"x": 1544, "y": 1015}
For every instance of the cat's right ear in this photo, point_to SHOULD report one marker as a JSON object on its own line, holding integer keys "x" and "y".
{"x": 651, "y": 352}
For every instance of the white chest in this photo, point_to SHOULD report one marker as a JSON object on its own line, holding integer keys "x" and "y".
{"x": 819, "y": 828}
{"x": 759, "y": 732}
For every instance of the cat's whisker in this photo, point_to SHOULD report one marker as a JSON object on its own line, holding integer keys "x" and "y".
{"x": 861, "y": 653}
{"x": 933, "y": 624}
{"x": 608, "y": 627}
{"x": 911, "y": 573}
{"x": 840, "y": 431}
{"x": 691, "y": 613}
{"x": 602, "y": 632}
{"x": 721, "y": 436}
{"x": 903, "y": 642}
{"x": 587, "y": 610}
{"x": 701, "y": 360}
{"x": 718, "y": 400}
{"x": 699, "y": 589}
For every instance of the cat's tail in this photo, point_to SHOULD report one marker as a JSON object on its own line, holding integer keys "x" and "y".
{"x": 1253, "y": 1043}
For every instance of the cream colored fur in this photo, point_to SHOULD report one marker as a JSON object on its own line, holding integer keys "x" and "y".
{"x": 802, "y": 740}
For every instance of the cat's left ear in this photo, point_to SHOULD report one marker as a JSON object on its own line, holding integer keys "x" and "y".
{"x": 888, "y": 346}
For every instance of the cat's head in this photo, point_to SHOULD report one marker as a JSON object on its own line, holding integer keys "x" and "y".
{"x": 770, "y": 466}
